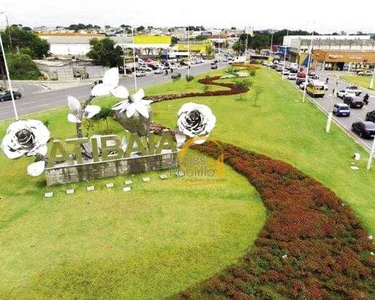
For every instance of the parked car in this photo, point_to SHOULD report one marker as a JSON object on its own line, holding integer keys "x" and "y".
{"x": 285, "y": 72}
{"x": 365, "y": 73}
{"x": 140, "y": 74}
{"x": 370, "y": 116}
{"x": 214, "y": 66}
{"x": 364, "y": 129}
{"x": 144, "y": 69}
{"x": 173, "y": 67}
{"x": 354, "y": 102}
{"x": 292, "y": 76}
{"x": 96, "y": 82}
{"x": 176, "y": 76}
{"x": 354, "y": 89}
{"x": 6, "y": 96}
{"x": 158, "y": 71}
{"x": 341, "y": 110}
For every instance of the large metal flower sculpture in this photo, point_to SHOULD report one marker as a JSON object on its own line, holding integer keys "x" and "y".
{"x": 194, "y": 120}
{"x": 134, "y": 114}
{"x": 110, "y": 86}
{"x": 78, "y": 113}
{"x": 30, "y": 138}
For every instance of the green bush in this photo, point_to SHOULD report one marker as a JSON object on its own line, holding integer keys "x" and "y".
{"x": 22, "y": 67}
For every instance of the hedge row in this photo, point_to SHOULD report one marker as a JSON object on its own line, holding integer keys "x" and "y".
{"x": 232, "y": 90}
{"x": 311, "y": 247}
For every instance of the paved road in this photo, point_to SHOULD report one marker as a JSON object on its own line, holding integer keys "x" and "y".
{"x": 356, "y": 114}
{"x": 32, "y": 101}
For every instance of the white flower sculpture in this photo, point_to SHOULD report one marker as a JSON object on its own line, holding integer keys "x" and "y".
{"x": 110, "y": 86}
{"x": 194, "y": 120}
{"x": 134, "y": 106}
{"x": 30, "y": 138}
{"x": 77, "y": 114}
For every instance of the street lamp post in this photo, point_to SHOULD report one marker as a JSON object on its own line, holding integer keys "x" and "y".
{"x": 330, "y": 113}
{"x": 8, "y": 77}
{"x": 269, "y": 61}
{"x": 372, "y": 78}
{"x": 369, "y": 162}
{"x": 308, "y": 67}
{"x": 189, "y": 62}
{"x": 7, "y": 21}
{"x": 134, "y": 68}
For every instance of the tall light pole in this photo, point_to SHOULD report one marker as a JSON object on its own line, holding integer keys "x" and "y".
{"x": 188, "y": 39}
{"x": 330, "y": 113}
{"x": 308, "y": 67}
{"x": 7, "y": 21}
{"x": 8, "y": 76}
{"x": 372, "y": 78}
{"x": 369, "y": 162}
{"x": 269, "y": 61}
{"x": 135, "y": 72}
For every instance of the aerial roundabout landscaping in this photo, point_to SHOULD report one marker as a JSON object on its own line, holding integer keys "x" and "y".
{"x": 178, "y": 239}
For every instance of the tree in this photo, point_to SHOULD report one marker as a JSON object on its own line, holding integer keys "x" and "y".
{"x": 243, "y": 84}
{"x": 140, "y": 28}
{"x": 257, "y": 91}
{"x": 189, "y": 78}
{"x": 25, "y": 39}
{"x": 201, "y": 38}
{"x": 22, "y": 67}
{"x": 209, "y": 50}
{"x": 238, "y": 47}
{"x": 103, "y": 115}
{"x": 104, "y": 52}
{"x": 233, "y": 28}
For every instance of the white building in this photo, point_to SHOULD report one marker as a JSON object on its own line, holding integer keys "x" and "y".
{"x": 68, "y": 44}
{"x": 289, "y": 39}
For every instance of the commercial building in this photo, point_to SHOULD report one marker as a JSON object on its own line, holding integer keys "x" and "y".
{"x": 69, "y": 44}
{"x": 146, "y": 44}
{"x": 333, "y": 52}
{"x": 340, "y": 60}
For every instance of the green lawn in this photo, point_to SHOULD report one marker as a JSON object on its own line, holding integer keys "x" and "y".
{"x": 164, "y": 236}
{"x": 363, "y": 81}
{"x": 151, "y": 243}
{"x": 283, "y": 127}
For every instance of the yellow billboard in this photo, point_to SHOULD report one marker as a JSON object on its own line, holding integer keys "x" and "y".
{"x": 151, "y": 39}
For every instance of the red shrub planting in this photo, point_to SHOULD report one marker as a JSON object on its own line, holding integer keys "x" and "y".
{"x": 312, "y": 246}
{"x": 232, "y": 90}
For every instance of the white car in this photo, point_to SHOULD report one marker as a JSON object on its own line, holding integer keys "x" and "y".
{"x": 354, "y": 89}
{"x": 140, "y": 74}
{"x": 173, "y": 67}
{"x": 365, "y": 73}
{"x": 345, "y": 93}
{"x": 292, "y": 76}
{"x": 302, "y": 85}
{"x": 158, "y": 71}
{"x": 285, "y": 72}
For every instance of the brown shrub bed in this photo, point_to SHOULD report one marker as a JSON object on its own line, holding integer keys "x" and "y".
{"x": 311, "y": 247}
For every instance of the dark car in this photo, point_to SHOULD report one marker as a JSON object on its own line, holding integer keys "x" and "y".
{"x": 341, "y": 110}
{"x": 370, "y": 116}
{"x": 214, "y": 66}
{"x": 364, "y": 129}
{"x": 96, "y": 82}
{"x": 353, "y": 102}
{"x": 176, "y": 76}
{"x": 6, "y": 96}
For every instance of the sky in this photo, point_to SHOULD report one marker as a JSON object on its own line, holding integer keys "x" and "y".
{"x": 323, "y": 16}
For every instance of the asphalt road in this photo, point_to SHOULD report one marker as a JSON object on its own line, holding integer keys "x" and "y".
{"x": 355, "y": 114}
{"x": 35, "y": 102}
